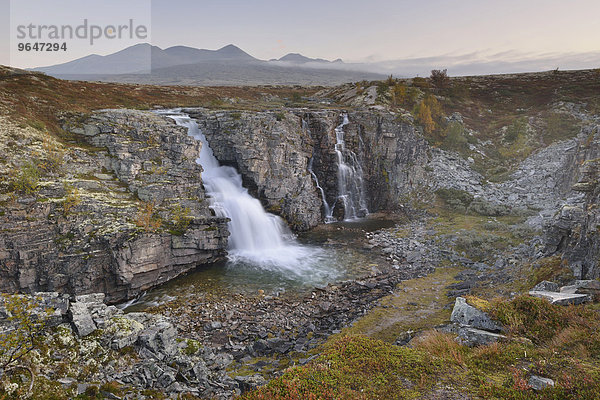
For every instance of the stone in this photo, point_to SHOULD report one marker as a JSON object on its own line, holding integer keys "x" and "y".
{"x": 590, "y": 286}
{"x": 118, "y": 260}
{"x": 539, "y": 383}
{"x": 279, "y": 345}
{"x": 201, "y": 372}
{"x": 477, "y": 337}
{"x": 467, "y": 315}
{"x": 160, "y": 339}
{"x": 167, "y": 378}
{"x": 81, "y": 319}
{"x": 561, "y": 299}
{"x": 94, "y": 298}
{"x": 66, "y": 382}
{"x": 260, "y": 346}
{"x": 250, "y": 382}
{"x": 546, "y": 286}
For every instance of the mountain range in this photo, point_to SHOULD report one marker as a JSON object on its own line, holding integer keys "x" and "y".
{"x": 182, "y": 65}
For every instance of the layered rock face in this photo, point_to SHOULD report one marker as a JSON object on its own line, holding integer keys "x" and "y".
{"x": 573, "y": 232}
{"x": 125, "y": 212}
{"x": 273, "y": 152}
{"x": 392, "y": 154}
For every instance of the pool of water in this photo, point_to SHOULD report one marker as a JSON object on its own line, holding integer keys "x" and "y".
{"x": 338, "y": 249}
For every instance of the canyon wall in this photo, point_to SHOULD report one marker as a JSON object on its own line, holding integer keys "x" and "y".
{"x": 273, "y": 150}
{"x": 123, "y": 211}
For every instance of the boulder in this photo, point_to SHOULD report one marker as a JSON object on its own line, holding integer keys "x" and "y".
{"x": 546, "y": 286}
{"x": 250, "y": 382}
{"x": 477, "y": 337}
{"x": 591, "y": 287}
{"x": 467, "y": 315}
{"x": 81, "y": 319}
{"x": 539, "y": 383}
{"x": 561, "y": 299}
{"x": 160, "y": 339}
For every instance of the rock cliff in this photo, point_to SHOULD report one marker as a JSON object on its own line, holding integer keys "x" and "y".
{"x": 573, "y": 232}
{"x": 117, "y": 209}
{"x": 273, "y": 150}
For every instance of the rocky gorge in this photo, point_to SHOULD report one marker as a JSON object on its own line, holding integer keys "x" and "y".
{"x": 115, "y": 206}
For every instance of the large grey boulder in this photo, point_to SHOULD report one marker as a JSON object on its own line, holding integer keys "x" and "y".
{"x": 467, "y": 315}
{"x": 160, "y": 339}
{"x": 81, "y": 319}
{"x": 589, "y": 286}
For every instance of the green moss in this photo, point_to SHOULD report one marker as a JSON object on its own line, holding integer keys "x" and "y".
{"x": 436, "y": 366}
{"x": 192, "y": 347}
{"x": 417, "y": 304}
{"x": 549, "y": 269}
{"x": 455, "y": 198}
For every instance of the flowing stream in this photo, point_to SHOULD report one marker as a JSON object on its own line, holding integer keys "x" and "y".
{"x": 351, "y": 189}
{"x": 257, "y": 238}
{"x": 263, "y": 254}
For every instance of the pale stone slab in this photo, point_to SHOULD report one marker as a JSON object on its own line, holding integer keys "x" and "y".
{"x": 561, "y": 299}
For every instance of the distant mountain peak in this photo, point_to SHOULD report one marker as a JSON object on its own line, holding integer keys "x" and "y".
{"x": 297, "y": 58}
{"x": 230, "y": 47}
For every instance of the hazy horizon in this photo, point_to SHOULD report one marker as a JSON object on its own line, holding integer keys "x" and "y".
{"x": 401, "y": 37}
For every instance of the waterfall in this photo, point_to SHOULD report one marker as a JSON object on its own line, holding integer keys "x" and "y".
{"x": 256, "y": 237}
{"x": 328, "y": 211}
{"x": 351, "y": 189}
{"x": 326, "y": 207}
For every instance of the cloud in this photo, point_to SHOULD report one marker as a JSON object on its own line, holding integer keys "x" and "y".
{"x": 474, "y": 63}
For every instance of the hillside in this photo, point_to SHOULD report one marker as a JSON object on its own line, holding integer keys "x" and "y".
{"x": 479, "y": 190}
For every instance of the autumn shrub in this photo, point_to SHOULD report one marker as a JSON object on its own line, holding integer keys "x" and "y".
{"x": 72, "y": 199}
{"x": 180, "y": 219}
{"x": 147, "y": 218}
{"x": 26, "y": 180}
{"x": 439, "y": 78}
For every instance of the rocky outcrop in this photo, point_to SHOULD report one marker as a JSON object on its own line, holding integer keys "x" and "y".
{"x": 539, "y": 185}
{"x": 140, "y": 351}
{"x": 392, "y": 153}
{"x": 122, "y": 212}
{"x": 273, "y": 152}
{"x": 573, "y": 232}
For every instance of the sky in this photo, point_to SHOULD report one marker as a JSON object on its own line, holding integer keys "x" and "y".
{"x": 480, "y": 32}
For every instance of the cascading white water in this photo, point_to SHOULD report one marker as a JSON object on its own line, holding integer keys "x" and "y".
{"x": 351, "y": 189}
{"x": 328, "y": 212}
{"x": 256, "y": 237}
{"x": 326, "y": 207}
